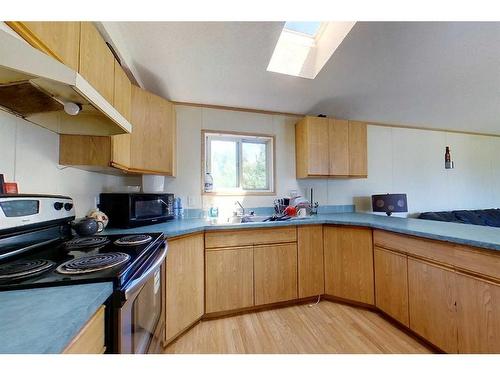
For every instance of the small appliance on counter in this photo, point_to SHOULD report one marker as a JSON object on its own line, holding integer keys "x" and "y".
{"x": 37, "y": 249}
{"x": 389, "y": 203}
{"x": 127, "y": 210}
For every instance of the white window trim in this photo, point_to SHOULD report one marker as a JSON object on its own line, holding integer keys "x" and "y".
{"x": 239, "y": 139}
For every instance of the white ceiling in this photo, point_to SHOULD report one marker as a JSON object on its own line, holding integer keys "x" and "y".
{"x": 442, "y": 75}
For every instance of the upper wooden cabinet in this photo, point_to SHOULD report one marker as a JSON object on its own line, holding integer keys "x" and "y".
{"x": 330, "y": 148}
{"x": 349, "y": 263}
{"x": 60, "y": 40}
{"x": 150, "y": 148}
{"x": 97, "y": 63}
{"x": 153, "y": 138}
{"x": 120, "y": 144}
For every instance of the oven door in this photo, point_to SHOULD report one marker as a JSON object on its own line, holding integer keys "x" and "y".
{"x": 141, "y": 319}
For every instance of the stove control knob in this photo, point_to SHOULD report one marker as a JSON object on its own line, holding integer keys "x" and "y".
{"x": 58, "y": 205}
{"x": 68, "y": 206}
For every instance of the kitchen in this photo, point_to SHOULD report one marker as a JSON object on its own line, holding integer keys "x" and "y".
{"x": 150, "y": 204}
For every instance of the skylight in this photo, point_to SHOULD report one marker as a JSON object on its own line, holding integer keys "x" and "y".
{"x": 308, "y": 28}
{"x": 303, "y": 48}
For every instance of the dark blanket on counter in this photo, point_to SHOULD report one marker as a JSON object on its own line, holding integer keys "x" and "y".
{"x": 489, "y": 217}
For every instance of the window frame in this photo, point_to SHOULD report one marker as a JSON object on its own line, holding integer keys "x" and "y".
{"x": 239, "y": 138}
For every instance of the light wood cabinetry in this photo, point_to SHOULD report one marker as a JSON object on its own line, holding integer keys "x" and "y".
{"x": 150, "y": 148}
{"x": 90, "y": 339}
{"x": 229, "y": 279}
{"x": 338, "y": 139}
{"x": 60, "y": 40}
{"x": 97, "y": 63}
{"x": 184, "y": 284}
{"x": 275, "y": 273}
{"x": 391, "y": 284}
{"x": 478, "y": 304}
{"x": 330, "y": 148}
{"x": 311, "y": 280}
{"x": 311, "y": 147}
{"x": 358, "y": 149}
{"x": 120, "y": 144}
{"x": 153, "y": 138}
{"x": 432, "y": 304}
{"x": 349, "y": 263}
{"x": 245, "y": 237}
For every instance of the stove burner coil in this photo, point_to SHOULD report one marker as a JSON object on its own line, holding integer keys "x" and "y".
{"x": 86, "y": 242}
{"x": 92, "y": 263}
{"x": 133, "y": 240}
{"x": 24, "y": 268}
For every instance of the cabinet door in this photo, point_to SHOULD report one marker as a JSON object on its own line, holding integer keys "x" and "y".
{"x": 97, "y": 63}
{"x": 122, "y": 102}
{"x": 478, "y": 315}
{"x": 311, "y": 147}
{"x": 90, "y": 339}
{"x": 432, "y": 302}
{"x": 275, "y": 273}
{"x": 184, "y": 300}
{"x": 57, "y": 39}
{"x": 310, "y": 260}
{"x": 391, "y": 284}
{"x": 349, "y": 263}
{"x": 358, "y": 148}
{"x": 152, "y": 143}
{"x": 229, "y": 279}
{"x": 339, "y": 147}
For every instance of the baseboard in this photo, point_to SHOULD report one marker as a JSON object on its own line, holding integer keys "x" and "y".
{"x": 181, "y": 333}
{"x": 270, "y": 306}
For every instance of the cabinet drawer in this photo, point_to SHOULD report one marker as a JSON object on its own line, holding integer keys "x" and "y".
{"x": 90, "y": 340}
{"x": 246, "y": 237}
{"x": 479, "y": 261}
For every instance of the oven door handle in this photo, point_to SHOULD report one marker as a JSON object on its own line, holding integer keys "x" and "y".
{"x": 135, "y": 284}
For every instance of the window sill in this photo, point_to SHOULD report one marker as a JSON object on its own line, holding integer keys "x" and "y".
{"x": 238, "y": 193}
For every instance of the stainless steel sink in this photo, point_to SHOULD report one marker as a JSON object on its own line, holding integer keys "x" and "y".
{"x": 246, "y": 219}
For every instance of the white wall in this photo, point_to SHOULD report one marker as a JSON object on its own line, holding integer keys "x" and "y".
{"x": 399, "y": 161}
{"x": 29, "y": 155}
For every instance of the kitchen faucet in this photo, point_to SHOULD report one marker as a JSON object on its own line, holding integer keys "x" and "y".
{"x": 242, "y": 208}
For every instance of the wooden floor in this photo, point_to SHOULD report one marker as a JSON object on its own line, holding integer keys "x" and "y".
{"x": 324, "y": 328}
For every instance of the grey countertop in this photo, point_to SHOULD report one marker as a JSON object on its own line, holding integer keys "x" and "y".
{"x": 473, "y": 235}
{"x": 45, "y": 320}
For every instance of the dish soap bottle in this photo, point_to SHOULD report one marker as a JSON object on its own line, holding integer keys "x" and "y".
{"x": 209, "y": 183}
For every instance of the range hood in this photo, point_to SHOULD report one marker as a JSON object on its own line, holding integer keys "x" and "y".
{"x": 36, "y": 87}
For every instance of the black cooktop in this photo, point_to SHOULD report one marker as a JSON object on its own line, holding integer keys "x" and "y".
{"x": 79, "y": 260}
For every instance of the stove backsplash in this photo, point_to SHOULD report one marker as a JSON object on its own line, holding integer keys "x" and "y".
{"x": 29, "y": 156}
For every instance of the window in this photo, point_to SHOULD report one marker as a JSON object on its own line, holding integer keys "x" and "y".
{"x": 239, "y": 163}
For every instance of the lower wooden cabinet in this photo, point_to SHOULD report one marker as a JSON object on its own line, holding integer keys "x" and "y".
{"x": 310, "y": 260}
{"x": 184, "y": 284}
{"x": 275, "y": 273}
{"x": 349, "y": 263}
{"x": 478, "y": 306}
{"x": 391, "y": 284}
{"x": 432, "y": 304}
{"x": 90, "y": 339}
{"x": 229, "y": 279}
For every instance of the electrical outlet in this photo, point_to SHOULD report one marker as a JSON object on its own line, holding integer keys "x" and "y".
{"x": 192, "y": 200}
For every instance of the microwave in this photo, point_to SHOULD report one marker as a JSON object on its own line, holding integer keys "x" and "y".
{"x": 127, "y": 210}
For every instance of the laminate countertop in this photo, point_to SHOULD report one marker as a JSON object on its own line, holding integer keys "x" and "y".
{"x": 45, "y": 320}
{"x": 465, "y": 234}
